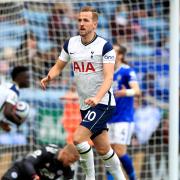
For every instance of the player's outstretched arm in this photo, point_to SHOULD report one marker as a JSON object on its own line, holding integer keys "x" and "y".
{"x": 54, "y": 72}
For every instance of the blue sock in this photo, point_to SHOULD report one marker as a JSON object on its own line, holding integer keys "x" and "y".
{"x": 127, "y": 164}
{"x": 109, "y": 176}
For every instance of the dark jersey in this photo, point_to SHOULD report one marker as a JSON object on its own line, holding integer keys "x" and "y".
{"x": 42, "y": 162}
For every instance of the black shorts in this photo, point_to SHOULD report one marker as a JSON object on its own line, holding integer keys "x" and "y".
{"x": 95, "y": 118}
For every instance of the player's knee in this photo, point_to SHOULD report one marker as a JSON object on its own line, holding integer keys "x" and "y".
{"x": 77, "y": 140}
{"x": 120, "y": 149}
{"x": 102, "y": 150}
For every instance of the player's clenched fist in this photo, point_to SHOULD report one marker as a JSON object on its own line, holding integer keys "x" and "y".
{"x": 92, "y": 101}
{"x": 45, "y": 81}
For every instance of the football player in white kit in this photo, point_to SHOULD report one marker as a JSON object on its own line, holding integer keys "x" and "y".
{"x": 92, "y": 59}
{"x": 9, "y": 97}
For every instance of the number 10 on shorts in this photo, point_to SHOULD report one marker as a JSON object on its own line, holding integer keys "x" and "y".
{"x": 90, "y": 116}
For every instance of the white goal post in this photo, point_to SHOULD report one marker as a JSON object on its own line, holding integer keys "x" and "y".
{"x": 174, "y": 91}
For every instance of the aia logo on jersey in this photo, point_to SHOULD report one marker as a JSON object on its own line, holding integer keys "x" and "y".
{"x": 83, "y": 67}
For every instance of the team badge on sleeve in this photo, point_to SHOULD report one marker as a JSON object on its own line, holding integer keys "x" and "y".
{"x": 109, "y": 57}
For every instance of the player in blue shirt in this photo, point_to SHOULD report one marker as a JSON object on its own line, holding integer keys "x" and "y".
{"x": 121, "y": 124}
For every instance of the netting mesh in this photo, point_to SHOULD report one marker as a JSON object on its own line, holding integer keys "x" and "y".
{"x": 32, "y": 33}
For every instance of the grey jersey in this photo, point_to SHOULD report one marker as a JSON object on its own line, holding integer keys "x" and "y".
{"x": 87, "y": 62}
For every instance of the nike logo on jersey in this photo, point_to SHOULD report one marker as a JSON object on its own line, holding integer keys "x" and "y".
{"x": 71, "y": 53}
{"x": 83, "y": 67}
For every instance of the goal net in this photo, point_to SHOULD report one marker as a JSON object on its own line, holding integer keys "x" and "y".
{"x": 32, "y": 33}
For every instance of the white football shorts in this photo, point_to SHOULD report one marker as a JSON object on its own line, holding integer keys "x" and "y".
{"x": 120, "y": 132}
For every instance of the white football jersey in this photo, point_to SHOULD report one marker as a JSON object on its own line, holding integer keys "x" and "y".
{"x": 87, "y": 62}
{"x": 9, "y": 93}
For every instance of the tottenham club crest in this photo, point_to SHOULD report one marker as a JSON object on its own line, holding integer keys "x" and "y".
{"x": 92, "y": 52}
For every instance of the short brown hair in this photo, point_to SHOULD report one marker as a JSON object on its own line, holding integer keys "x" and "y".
{"x": 90, "y": 9}
{"x": 122, "y": 50}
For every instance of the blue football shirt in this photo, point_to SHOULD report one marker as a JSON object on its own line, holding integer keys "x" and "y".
{"x": 124, "y": 105}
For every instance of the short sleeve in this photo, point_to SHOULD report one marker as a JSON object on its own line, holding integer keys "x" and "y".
{"x": 108, "y": 54}
{"x": 132, "y": 75}
{"x": 12, "y": 97}
{"x": 64, "y": 56}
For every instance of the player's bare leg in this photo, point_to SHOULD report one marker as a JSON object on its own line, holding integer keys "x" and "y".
{"x": 112, "y": 163}
{"x": 81, "y": 138}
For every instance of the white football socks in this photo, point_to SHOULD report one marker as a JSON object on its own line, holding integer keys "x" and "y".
{"x": 113, "y": 166}
{"x": 87, "y": 160}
